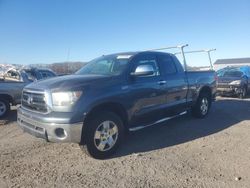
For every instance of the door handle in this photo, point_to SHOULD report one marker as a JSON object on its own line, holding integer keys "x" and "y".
{"x": 162, "y": 82}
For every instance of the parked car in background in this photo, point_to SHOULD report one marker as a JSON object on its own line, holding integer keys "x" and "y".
{"x": 13, "y": 82}
{"x": 38, "y": 73}
{"x": 234, "y": 81}
{"x": 112, "y": 94}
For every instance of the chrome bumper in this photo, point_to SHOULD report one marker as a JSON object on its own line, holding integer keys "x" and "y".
{"x": 49, "y": 131}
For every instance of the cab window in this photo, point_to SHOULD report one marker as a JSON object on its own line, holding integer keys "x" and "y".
{"x": 167, "y": 63}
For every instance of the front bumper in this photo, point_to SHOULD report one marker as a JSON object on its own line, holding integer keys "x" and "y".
{"x": 229, "y": 90}
{"x": 50, "y": 131}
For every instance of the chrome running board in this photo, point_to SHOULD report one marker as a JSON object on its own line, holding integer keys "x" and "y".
{"x": 157, "y": 122}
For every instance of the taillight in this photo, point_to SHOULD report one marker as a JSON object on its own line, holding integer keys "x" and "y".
{"x": 216, "y": 78}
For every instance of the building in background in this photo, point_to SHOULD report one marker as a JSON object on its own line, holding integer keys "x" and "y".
{"x": 222, "y": 63}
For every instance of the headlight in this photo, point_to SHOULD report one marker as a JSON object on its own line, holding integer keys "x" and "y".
{"x": 65, "y": 98}
{"x": 236, "y": 82}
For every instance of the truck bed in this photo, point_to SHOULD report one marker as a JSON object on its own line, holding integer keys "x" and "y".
{"x": 199, "y": 79}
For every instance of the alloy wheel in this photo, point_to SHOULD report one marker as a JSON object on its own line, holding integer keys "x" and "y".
{"x": 204, "y": 106}
{"x": 106, "y": 135}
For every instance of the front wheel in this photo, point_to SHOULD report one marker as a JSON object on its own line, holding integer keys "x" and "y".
{"x": 243, "y": 93}
{"x": 4, "y": 107}
{"x": 202, "y": 106}
{"x": 103, "y": 135}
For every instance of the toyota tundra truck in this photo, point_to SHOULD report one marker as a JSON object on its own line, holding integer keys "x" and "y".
{"x": 111, "y": 95}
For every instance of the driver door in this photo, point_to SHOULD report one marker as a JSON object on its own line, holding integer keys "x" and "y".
{"x": 147, "y": 92}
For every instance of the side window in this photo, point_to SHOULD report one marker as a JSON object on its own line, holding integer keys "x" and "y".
{"x": 178, "y": 64}
{"x": 148, "y": 60}
{"x": 167, "y": 64}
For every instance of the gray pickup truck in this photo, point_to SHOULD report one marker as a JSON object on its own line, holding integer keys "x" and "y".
{"x": 13, "y": 82}
{"x": 111, "y": 95}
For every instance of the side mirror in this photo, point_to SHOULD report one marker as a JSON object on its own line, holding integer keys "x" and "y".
{"x": 143, "y": 70}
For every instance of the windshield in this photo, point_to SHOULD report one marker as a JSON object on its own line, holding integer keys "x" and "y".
{"x": 106, "y": 65}
{"x": 30, "y": 75}
{"x": 232, "y": 73}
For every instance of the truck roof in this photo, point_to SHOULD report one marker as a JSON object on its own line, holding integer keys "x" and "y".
{"x": 136, "y": 53}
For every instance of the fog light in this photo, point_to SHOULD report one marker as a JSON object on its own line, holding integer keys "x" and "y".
{"x": 61, "y": 133}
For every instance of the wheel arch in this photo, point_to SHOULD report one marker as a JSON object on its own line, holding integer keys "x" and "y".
{"x": 113, "y": 107}
{"x": 205, "y": 89}
{"x": 7, "y": 98}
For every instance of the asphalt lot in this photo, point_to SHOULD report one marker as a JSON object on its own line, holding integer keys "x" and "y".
{"x": 183, "y": 152}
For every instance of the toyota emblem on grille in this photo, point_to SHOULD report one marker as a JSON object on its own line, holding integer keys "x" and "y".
{"x": 29, "y": 99}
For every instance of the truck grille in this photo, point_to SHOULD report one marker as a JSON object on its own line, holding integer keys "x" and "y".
{"x": 34, "y": 101}
{"x": 223, "y": 86}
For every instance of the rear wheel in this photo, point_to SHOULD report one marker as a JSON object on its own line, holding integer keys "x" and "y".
{"x": 4, "y": 108}
{"x": 103, "y": 135}
{"x": 202, "y": 106}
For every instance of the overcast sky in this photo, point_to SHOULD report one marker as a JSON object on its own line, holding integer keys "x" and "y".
{"x": 48, "y": 31}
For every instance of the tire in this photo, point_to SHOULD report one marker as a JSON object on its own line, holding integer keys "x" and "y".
{"x": 4, "y": 107}
{"x": 202, "y": 106}
{"x": 101, "y": 142}
{"x": 243, "y": 94}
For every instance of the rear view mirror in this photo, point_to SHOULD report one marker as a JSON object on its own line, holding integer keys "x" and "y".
{"x": 143, "y": 70}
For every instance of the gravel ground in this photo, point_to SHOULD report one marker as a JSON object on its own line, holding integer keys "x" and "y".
{"x": 184, "y": 152}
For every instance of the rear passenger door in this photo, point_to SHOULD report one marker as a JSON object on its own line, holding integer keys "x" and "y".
{"x": 176, "y": 84}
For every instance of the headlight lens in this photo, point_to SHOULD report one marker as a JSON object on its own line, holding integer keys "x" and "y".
{"x": 65, "y": 98}
{"x": 236, "y": 82}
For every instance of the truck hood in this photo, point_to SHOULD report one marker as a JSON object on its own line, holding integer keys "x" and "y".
{"x": 66, "y": 82}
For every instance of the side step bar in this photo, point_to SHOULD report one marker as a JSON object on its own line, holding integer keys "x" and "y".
{"x": 157, "y": 122}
